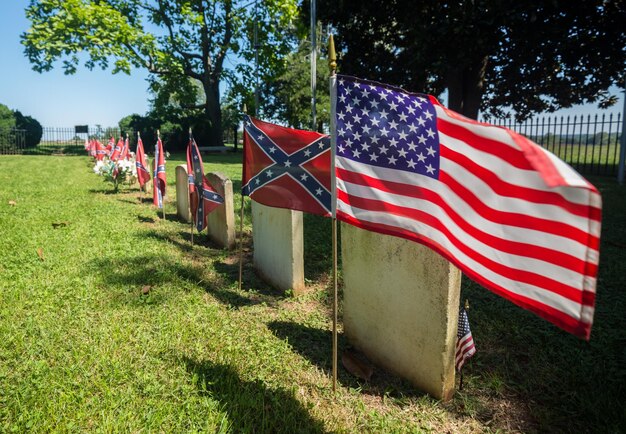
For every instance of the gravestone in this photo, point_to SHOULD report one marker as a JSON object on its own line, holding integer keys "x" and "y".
{"x": 400, "y": 307}
{"x": 278, "y": 246}
{"x": 182, "y": 193}
{"x": 221, "y": 221}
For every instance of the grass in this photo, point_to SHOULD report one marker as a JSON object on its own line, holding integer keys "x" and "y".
{"x": 83, "y": 349}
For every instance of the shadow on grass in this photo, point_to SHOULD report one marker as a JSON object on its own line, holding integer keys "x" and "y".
{"x": 250, "y": 405}
{"x": 147, "y": 270}
{"x": 107, "y": 191}
{"x": 182, "y": 240}
{"x": 316, "y": 345}
{"x": 222, "y": 286}
{"x": 144, "y": 219}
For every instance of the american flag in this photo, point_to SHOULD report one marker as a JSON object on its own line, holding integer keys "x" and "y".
{"x": 465, "y": 342}
{"x": 158, "y": 175}
{"x": 511, "y": 215}
{"x": 200, "y": 187}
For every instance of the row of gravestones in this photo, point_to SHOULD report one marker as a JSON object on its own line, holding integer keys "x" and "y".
{"x": 400, "y": 299}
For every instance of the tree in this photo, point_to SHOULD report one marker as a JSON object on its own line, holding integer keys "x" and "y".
{"x": 291, "y": 91}
{"x": 7, "y": 118}
{"x": 175, "y": 40}
{"x": 492, "y": 55}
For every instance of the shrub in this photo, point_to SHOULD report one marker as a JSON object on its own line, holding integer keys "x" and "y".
{"x": 33, "y": 128}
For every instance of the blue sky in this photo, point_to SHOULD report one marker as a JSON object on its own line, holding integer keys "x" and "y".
{"x": 54, "y": 99}
{"x": 91, "y": 97}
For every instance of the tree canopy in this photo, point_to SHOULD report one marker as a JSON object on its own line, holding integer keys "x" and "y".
{"x": 492, "y": 55}
{"x": 291, "y": 91}
{"x": 175, "y": 40}
{"x": 7, "y": 118}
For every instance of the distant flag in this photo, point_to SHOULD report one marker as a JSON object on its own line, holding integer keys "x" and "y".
{"x": 199, "y": 187}
{"x": 125, "y": 150}
{"x": 143, "y": 174}
{"x": 110, "y": 146}
{"x": 100, "y": 150}
{"x": 117, "y": 150}
{"x": 465, "y": 342}
{"x": 92, "y": 148}
{"x": 158, "y": 175}
{"x": 286, "y": 168}
{"x": 508, "y": 213}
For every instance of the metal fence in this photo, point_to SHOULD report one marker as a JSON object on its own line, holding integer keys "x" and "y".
{"x": 590, "y": 144}
{"x": 55, "y": 141}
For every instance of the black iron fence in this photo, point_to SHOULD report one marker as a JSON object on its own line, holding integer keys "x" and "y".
{"x": 56, "y": 141}
{"x": 590, "y": 144}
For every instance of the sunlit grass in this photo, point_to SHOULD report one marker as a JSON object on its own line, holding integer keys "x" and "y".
{"x": 82, "y": 348}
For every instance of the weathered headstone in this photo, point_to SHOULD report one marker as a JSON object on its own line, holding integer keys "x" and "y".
{"x": 278, "y": 246}
{"x": 400, "y": 307}
{"x": 182, "y": 193}
{"x": 221, "y": 222}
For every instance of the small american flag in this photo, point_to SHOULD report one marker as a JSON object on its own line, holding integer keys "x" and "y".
{"x": 465, "y": 342}
{"x": 508, "y": 213}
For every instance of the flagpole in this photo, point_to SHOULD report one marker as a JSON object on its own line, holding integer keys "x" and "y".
{"x": 245, "y": 111}
{"x": 313, "y": 66}
{"x": 141, "y": 192}
{"x": 332, "y": 63}
{"x": 467, "y": 306}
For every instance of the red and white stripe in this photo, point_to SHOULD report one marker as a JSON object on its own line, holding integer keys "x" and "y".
{"x": 510, "y": 214}
{"x": 464, "y": 350}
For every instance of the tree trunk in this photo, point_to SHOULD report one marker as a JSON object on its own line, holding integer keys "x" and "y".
{"x": 465, "y": 88}
{"x": 213, "y": 113}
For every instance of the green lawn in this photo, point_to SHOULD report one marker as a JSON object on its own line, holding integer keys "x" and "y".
{"x": 82, "y": 349}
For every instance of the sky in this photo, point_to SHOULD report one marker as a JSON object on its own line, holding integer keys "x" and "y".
{"x": 94, "y": 97}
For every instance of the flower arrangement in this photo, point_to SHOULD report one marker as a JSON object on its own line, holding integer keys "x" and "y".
{"x": 117, "y": 172}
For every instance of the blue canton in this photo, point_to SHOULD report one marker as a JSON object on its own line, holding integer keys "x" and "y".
{"x": 288, "y": 164}
{"x": 386, "y": 127}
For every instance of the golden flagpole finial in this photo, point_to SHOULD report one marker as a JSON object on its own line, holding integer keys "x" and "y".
{"x": 245, "y": 109}
{"x": 467, "y": 306}
{"x": 332, "y": 55}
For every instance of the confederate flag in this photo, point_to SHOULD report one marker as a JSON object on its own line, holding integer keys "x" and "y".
{"x": 110, "y": 146}
{"x": 118, "y": 150}
{"x": 125, "y": 150}
{"x": 286, "y": 168}
{"x": 143, "y": 175}
{"x": 100, "y": 150}
{"x": 158, "y": 191}
{"x": 199, "y": 186}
